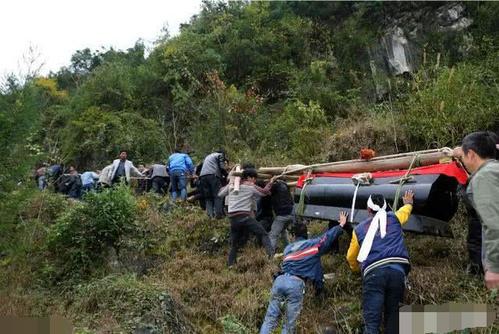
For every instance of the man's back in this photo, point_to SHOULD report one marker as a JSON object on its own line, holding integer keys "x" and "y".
{"x": 180, "y": 162}
{"x": 212, "y": 164}
{"x": 390, "y": 248}
{"x": 159, "y": 170}
{"x": 88, "y": 177}
{"x": 105, "y": 175}
{"x": 244, "y": 199}
{"x": 302, "y": 257}
{"x": 282, "y": 202}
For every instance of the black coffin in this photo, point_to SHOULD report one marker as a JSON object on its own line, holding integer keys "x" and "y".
{"x": 435, "y": 200}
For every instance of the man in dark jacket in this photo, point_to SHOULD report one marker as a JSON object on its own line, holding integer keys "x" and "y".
{"x": 301, "y": 263}
{"x": 282, "y": 204}
{"x": 264, "y": 212}
{"x": 210, "y": 182}
{"x": 74, "y": 183}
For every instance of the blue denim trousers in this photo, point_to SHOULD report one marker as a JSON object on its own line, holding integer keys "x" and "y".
{"x": 179, "y": 184}
{"x": 42, "y": 182}
{"x": 88, "y": 188}
{"x": 287, "y": 293}
{"x": 382, "y": 290}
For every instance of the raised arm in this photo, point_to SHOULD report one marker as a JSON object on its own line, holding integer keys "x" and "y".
{"x": 328, "y": 238}
{"x": 354, "y": 248}
{"x": 353, "y": 252}
{"x": 262, "y": 192}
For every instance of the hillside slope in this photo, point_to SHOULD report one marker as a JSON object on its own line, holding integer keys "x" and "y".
{"x": 172, "y": 276}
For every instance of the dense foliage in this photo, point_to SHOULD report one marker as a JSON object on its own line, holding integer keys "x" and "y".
{"x": 81, "y": 237}
{"x": 270, "y": 81}
{"x": 273, "y": 83}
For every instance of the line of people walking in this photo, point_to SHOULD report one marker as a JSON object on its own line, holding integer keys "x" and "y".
{"x": 266, "y": 210}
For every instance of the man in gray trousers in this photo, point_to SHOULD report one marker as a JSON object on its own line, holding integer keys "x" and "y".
{"x": 282, "y": 205}
{"x": 210, "y": 182}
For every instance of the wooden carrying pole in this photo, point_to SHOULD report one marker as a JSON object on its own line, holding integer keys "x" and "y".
{"x": 269, "y": 176}
{"x": 389, "y": 162}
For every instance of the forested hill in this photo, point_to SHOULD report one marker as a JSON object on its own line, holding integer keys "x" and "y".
{"x": 269, "y": 81}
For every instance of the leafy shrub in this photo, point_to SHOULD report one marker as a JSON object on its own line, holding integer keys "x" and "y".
{"x": 299, "y": 132}
{"x": 81, "y": 237}
{"x": 96, "y": 135}
{"x": 458, "y": 101}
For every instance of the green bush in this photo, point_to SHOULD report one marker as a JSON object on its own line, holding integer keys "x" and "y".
{"x": 80, "y": 239}
{"x": 458, "y": 101}
{"x": 299, "y": 132}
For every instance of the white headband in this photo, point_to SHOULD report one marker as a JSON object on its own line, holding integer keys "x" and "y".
{"x": 374, "y": 207}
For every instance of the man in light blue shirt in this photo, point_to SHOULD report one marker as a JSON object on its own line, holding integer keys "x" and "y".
{"x": 179, "y": 165}
{"x": 88, "y": 181}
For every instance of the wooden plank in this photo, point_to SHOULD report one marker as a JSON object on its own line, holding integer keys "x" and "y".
{"x": 392, "y": 162}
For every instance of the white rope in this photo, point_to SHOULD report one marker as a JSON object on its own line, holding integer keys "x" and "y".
{"x": 363, "y": 179}
{"x": 353, "y": 202}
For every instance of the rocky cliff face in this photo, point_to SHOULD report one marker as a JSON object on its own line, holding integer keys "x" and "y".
{"x": 399, "y": 50}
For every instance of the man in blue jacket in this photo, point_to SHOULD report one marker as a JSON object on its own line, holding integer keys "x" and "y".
{"x": 179, "y": 165}
{"x": 301, "y": 263}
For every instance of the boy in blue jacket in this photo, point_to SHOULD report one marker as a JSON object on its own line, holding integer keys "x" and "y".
{"x": 302, "y": 262}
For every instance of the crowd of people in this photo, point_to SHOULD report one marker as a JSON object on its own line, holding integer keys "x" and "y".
{"x": 266, "y": 210}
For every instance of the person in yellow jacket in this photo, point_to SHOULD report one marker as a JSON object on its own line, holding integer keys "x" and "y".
{"x": 378, "y": 251}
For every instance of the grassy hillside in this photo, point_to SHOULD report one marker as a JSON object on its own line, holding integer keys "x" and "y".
{"x": 170, "y": 275}
{"x": 273, "y": 83}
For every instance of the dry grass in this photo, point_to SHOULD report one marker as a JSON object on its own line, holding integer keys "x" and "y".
{"x": 366, "y": 130}
{"x": 192, "y": 252}
{"x": 202, "y": 282}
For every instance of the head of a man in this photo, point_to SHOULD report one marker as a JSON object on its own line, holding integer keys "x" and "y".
{"x": 248, "y": 165}
{"x": 377, "y": 199}
{"x": 477, "y": 148}
{"x": 250, "y": 175}
{"x": 299, "y": 231}
{"x": 123, "y": 155}
{"x": 223, "y": 153}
